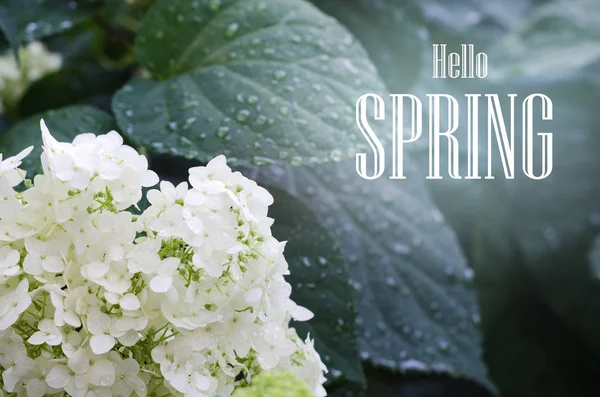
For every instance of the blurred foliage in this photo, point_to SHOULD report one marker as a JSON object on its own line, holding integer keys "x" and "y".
{"x": 275, "y": 385}
{"x": 385, "y": 265}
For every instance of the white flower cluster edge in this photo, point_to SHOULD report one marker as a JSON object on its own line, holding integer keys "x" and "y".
{"x": 186, "y": 299}
{"x": 35, "y": 62}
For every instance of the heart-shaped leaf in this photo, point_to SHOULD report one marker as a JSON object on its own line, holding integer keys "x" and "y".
{"x": 261, "y": 82}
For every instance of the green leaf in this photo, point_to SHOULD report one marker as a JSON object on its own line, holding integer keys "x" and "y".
{"x": 8, "y": 28}
{"x": 84, "y": 83}
{"x": 398, "y": 34}
{"x": 530, "y": 349}
{"x": 64, "y": 124}
{"x": 396, "y": 42}
{"x": 553, "y": 221}
{"x": 27, "y": 20}
{"x": 260, "y": 82}
{"x": 528, "y": 241}
{"x": 417, "y": 310}
{"x": 594, "y": 259}
{"x": 319, "y": 278}
{"x": 560, "y": 36}
{"x": 384, "y": 383}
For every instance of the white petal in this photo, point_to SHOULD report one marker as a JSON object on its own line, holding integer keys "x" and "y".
{"x": 268, "y": 360}
{"x": 33, "y": 245}
{"x": 286, "y": 347}
{"x": 54, "y": 339}
{"x": 129, "y": 302}
{"x": 149, "y": 178}
{"x": 218, "y": 162}
{"x": 53, "y": 264}
{"x": 37, "y": 338}
{"x": 98, "y": 322}
{"x": 79, "y": 362}
{"x": 80, "y": 179}
{"x": 300, "y": 313}
{"x": 22, "y": 154}
{"x": 168, "y": 266}
{"x": 32, "y": 265}
{"x": 101, "y": 344}
{"x": 12, "y": 258}
{"x": 194, "y": 197}
{"x": 214, "y": 269}
{"x": 161, "y": 284}
{"x": 202, "y": 382}
{"x": 154, "y": 196}
{"x": 136, "y": 384}
{"x": 47, "y": 139}
{"x": 102, "y": 373}
{"x": 58, "y": 377}
{"x": 72, "y": 319}
{"x": 253, "y": 295}
{"x": 84, "y": 138}
{"x": 97, "y": 270}
{"x": 130, "y": 338}
{"x": 35, "y": 387}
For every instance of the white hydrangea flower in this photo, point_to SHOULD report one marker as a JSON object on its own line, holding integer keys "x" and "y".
{"x": 35, "y": 62}
{"x": 13, "y": 302}
{"x": 187, "y": 299}
{"x": 48, "y": 333}
{"x": 9, "y": 261}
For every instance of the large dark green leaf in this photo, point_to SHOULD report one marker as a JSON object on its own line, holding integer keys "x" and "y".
{"x": 260, "y": 82}
{"x": 64, "y": 124}
{"x": 320, "y": 282}
{"x": 417, "y": 310}
{"x": 26, "y": 20}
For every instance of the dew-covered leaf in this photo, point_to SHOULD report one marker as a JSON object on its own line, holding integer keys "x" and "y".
{"x": 320, "y": 281}
{"x": 34, "y": 19}
{"x": 417, "y": 310}
{"x": 64, "y": 124}
{"x": 396, "y": 41}
{"x": 260, "y": 82}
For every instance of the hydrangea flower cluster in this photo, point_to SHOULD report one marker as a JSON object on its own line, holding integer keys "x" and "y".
{"x": 35, "y": 62}
{"x": 186, "y": 299}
